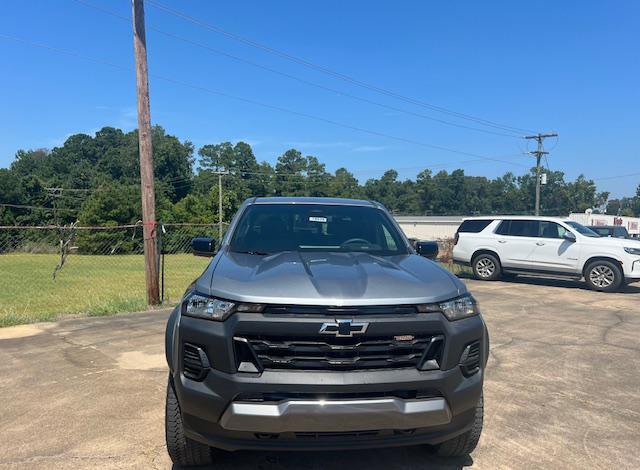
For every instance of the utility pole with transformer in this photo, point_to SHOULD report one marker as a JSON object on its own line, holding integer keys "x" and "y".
{"x": 538, "y": 153}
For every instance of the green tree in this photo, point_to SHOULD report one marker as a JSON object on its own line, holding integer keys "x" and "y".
{"x": 344, "y": 184}
{"x": 216, "y": 157}
{"x": 317, "y": 178}
{"x": 105, "y": 169}
{"x": 290, "y": 174}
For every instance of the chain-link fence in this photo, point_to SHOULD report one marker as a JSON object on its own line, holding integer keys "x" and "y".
{"x": 47, "y": 271}
{"x": 178, "y": 266}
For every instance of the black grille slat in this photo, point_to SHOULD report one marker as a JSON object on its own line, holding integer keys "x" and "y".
{"x": 321, "y": 348}
{"x": 324, "y": 353}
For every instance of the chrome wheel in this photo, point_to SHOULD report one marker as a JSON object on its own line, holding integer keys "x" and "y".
{"x": 602, "y": 276}
{"x": 485, "y": 267}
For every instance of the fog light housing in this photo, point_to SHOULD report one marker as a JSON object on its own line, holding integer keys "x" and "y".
{"x": 470, "y": 359}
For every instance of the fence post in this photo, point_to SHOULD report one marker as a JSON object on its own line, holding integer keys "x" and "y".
{"x": 160, "y": 259}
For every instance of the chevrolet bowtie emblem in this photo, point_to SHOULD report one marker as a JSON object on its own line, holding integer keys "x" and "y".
{"x": 343, "y": 328}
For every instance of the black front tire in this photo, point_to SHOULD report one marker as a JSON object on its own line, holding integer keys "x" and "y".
{"x": 604, "y": 276}
{"x": 486, "y": 267}
{"x": 465, "y": 443}
{"x": 184, "y": 452}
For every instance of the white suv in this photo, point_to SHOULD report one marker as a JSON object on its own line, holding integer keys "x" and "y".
{"x": 545, "y": 245}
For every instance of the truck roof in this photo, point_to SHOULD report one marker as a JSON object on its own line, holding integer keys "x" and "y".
{"x": 518, "y": 217}
{"x": 314, "y": 200}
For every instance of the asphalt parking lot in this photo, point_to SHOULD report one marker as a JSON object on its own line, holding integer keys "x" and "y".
{"x": 562, "y": 389}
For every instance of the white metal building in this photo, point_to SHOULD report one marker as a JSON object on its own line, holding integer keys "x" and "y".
{"x": 429, "y": 227}
{"x": 632, "y": 224}
{"x": 439, "y": 227}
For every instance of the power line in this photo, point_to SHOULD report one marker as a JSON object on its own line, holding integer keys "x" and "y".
{"x": 72, "y": 189}
{"x": 23, "y": 206}
{"x": 185, "y": 181}
{"x": 261, "y": 104}
{"x": 298, "y": 79}
{"x": 616, "y": 176}
{"x": 301, "y": 175}
{"x": 333, "y": 73}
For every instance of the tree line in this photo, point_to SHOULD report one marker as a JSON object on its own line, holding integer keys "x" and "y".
{"x": 98, "y": 184}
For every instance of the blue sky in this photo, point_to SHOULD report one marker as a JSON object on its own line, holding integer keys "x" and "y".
{"x": 570, "y": 66}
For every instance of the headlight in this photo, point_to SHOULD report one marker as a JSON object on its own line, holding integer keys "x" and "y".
{"x": 211, "y": 308}
{"x": 454, "y": 309}
{"x": 632, "y": 251}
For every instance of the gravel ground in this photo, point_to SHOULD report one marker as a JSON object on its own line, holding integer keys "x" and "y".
{"x": 562, "y": 389}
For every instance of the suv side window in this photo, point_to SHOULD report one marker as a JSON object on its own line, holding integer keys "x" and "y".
{"x": 503, "y": 228}
{"x": 620, "y": 232}
{"x": 524, "y": 228}
{"x": 551, "y": 230}
{"x": 474, "y": 226}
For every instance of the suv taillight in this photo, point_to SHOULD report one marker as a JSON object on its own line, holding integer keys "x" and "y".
{"x": 456, "y": 237}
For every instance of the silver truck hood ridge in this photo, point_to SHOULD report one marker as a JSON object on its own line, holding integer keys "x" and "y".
{"x": 332, "y": 279}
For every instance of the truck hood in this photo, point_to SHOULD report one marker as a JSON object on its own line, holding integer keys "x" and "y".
{"x": 331, "y": 279}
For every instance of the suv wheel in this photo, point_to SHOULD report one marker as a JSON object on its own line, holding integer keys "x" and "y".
{"x": 486, "y": 267}
{"x": 183, "y": 451}
{"x": 605, "y": 276}
{"x": 465, "y": 443}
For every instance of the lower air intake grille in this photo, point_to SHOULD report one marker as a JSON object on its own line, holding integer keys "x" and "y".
{"x": 337, "y": 353}
{"x": 195, "y": 364}
{"x": 336, "y": 435}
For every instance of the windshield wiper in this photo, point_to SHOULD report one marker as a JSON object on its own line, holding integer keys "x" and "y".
{"x": 250, "y": 252}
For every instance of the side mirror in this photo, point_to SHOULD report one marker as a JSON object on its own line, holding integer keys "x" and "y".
{"x": 428, "y": 249}
{"x": 569, "y": 236}
{"x": 203, "y": 246}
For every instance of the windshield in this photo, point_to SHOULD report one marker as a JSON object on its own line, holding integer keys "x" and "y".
{"x": 602, "y": 231}
{"x": 582, "y": 230}
{"x": 271, "y": 228}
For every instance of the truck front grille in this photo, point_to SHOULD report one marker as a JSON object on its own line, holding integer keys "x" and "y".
{"x": 354, "y": 353}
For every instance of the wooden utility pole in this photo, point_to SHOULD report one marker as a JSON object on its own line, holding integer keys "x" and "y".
{"x": 146, "y": 155}
{"x": 539, "y": 152}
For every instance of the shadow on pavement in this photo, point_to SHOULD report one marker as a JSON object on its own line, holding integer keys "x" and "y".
{"x": 553, "y": 282}
{"x": 401, "y": 458}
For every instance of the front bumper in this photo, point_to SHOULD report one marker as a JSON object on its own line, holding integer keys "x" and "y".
{"x": 632, "y": 273}
{"x": 324, "y": 409}
{"x": 320, "y": 415}
{"x": 210, "y": 409}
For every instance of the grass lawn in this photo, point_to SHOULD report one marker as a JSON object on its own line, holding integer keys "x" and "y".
{"x": 91, "y": 285}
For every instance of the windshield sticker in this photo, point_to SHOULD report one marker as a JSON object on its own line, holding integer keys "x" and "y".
{"x": 317, "y": 219}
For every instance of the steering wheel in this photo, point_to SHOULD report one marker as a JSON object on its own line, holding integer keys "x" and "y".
{"x": 355, "y": 240}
